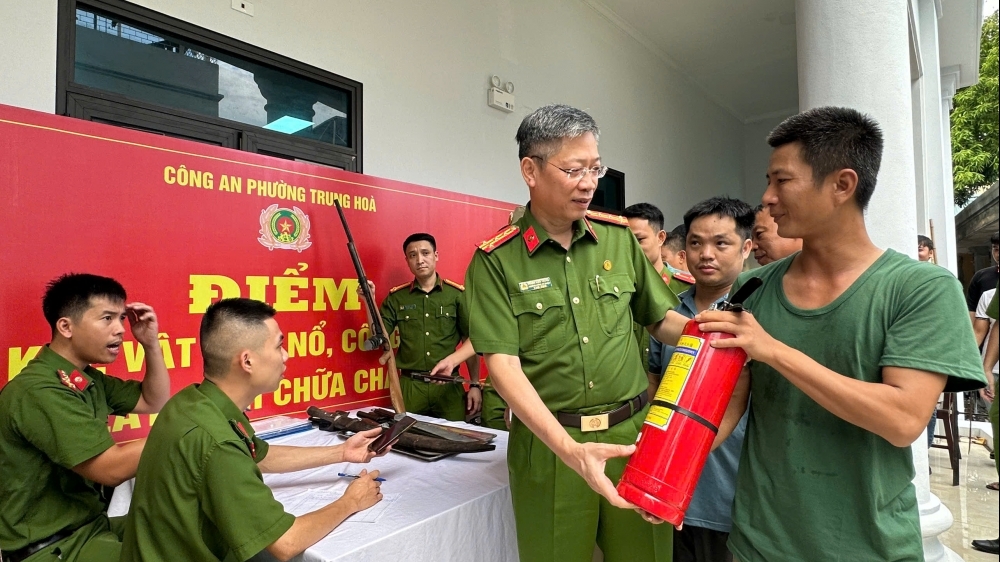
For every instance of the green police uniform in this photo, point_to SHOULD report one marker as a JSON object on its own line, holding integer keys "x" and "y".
{"x": 677, "y": 285}
{"x": 54, "y": 417}
{"x": 494, "y": 408}
{"x": 199, "y": 494}
{"x": 991, "y": 311}
{"x": 431, "y": 325}
{"x": 568, "y": 316}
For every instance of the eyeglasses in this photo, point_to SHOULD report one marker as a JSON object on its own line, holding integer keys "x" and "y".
{"x": 578, "y": 174}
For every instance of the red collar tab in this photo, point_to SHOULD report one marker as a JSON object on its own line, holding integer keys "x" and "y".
{"x": 74, "y": 380}
{"x": 531, "y": 239}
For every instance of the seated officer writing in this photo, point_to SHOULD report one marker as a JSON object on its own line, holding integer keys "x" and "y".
{"x": 432, "y": 320}
{"x": 56, "y": 454}
{"x": 199, "y": 492}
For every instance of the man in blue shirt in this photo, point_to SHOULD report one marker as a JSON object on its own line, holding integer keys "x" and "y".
{"x": 718, "y": 242}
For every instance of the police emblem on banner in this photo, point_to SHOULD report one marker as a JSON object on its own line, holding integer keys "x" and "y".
{"x": 284, "y": 229}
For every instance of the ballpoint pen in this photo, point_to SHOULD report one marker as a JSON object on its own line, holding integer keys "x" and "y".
{"x": 379, "y": 479}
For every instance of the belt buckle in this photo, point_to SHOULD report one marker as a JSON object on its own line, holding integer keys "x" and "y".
{"x": 598, "y": 422}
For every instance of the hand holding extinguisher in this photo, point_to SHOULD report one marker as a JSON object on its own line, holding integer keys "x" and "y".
{"x": 684, "y": 418}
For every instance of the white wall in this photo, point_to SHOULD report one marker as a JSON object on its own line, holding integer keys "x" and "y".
{"x": 425, "y": 67}
{"x": 756, "y": 153}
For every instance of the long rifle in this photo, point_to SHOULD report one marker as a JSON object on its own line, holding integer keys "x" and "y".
{"x": 379, "y": 338}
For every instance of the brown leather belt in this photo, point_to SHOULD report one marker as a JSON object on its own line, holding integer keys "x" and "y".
{"x": 604, "y": 420}
{"x": 22, "y": 553}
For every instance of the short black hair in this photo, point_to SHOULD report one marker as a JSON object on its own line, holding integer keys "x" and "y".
{"x": 69, "y": 295}
{"x": 676, "y": 238}
{"x": 834, "y": 138}
{"x": 225, "y": 326}
{"x": 741, "y": 213}
{"x": 419, "y": 237}
{"x": 647, "y": 211}
{"x": 925, "y": 241}
{"x": 758, "y": 209}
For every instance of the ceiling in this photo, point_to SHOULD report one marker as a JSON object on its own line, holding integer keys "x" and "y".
{"x": 742, "y": 55}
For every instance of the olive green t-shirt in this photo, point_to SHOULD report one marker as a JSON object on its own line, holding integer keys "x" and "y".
{"x": 812, "y": 486}
{"x": 198, "y": 493}
{"x": 431, "y": 325}
{"x": 567, "y": 315}
{"x": 46, "y": 428}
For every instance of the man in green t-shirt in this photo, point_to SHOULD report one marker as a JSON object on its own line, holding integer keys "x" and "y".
{"x": 57, "y": 459}
{"x": 432, "y": 319}
{"x": 199, "y": 492}
{"x": 847, "y": 360}
{"x": 989, "y": 361}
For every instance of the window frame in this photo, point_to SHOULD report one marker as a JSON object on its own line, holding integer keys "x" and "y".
{"x": 76, "y": 100}
{"x": 620, "y": 176}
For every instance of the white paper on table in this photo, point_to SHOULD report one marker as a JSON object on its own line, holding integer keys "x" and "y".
{"x": 310, "y": 500}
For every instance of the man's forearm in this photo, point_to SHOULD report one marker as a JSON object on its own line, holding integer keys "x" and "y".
{"x": 885, "y": 409}
{"x": 291, "y": 459}
{"x": 155, "y": 383}
{"x": 523, "y": 400}
{"x": 309, "y": 529}
{"x": 992, "y": 354}
{"x": 669, "y": 329}
{"x": 737, "y": 407}
{"x": 463, "y": 354}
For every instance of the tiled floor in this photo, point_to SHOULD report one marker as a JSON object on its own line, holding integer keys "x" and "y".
{"x": 976, "y": 509}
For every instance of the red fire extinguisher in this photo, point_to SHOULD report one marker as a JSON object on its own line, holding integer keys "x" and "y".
{"x": 684, "y": 418}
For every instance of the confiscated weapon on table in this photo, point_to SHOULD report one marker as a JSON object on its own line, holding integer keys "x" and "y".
{"x": 411, "y": 441}
{"x": 379, "y": 338}
{"x": 447, "y": 379}
{"x": 448, "y": 432}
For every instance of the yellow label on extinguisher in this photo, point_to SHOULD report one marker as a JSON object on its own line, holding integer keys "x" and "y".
{"x": 674, "y": 379}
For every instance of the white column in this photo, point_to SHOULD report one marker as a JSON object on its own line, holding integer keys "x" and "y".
{"x": 857, "y": 54}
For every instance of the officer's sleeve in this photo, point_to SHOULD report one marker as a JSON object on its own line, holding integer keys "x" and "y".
{"x": 388, "y": 312}
{"x": 122, "y": 395}
{"x": 61, "y": 425}
{"x": 652, "y": 298}
{"x": 492, "y": 325}
{"x": 462, "y": 305}
{"x": 236, "y": 500}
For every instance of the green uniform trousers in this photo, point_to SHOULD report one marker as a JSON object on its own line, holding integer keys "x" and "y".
{"x": 97, "y": 541}
{"x": 558, "y": 516}
{"x": 445, "y": 401}
{"x": 493, "y": 409}
{"x": 994, "y": 415}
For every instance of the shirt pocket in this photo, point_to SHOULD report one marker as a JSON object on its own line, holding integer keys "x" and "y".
{"x": 541, "y": 319}
{"x": 447, "y": 312}
{"x": 613, "y": 294}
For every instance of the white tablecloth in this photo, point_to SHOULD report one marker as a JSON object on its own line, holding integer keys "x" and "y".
{"x": 454, "y": 509}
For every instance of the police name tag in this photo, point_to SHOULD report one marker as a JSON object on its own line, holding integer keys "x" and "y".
{"x": 535, "y": 284}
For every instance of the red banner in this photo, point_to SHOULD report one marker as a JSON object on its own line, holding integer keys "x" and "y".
{"x": 181, "y": 224}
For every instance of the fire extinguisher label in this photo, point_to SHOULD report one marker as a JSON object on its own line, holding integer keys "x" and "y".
{"x": 675, "y": 379}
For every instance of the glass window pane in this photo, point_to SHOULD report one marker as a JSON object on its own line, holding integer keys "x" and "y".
{"x": 151, "y": 66}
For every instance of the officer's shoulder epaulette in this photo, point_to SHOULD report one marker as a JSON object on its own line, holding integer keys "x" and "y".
{"x": 607, "y": 217}
{"x": 684, "y": 276}
{"x": 504, "y": 235}
{"x": 458, "y": 286}
{"x": 398, "y": 287}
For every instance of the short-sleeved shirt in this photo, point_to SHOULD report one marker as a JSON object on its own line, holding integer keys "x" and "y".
{"x": 431, "y": 325}
{"x": 642, "y": 337}
{"x": 712, "y": 504}
{"x": 812, "y": 486}
{"x": 982, "y": 311}
{"x": 983, "y": 280}
{"x": 567, "y": 314}
{"x": 991, "y": 310}
{"x": 199, "y": 494}
{"x": 54, "y": 416}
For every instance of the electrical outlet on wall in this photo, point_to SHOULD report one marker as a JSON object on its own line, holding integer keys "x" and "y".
{"x": 243, "y": 6}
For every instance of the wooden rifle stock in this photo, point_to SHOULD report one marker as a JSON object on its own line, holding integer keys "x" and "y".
{"x": 379, "y": 339}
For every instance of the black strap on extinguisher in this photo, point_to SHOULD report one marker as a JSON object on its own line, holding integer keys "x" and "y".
{"x": 688, "y": 414}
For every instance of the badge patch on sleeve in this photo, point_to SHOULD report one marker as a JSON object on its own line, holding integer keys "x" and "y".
{"x": 535, "y": 284}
